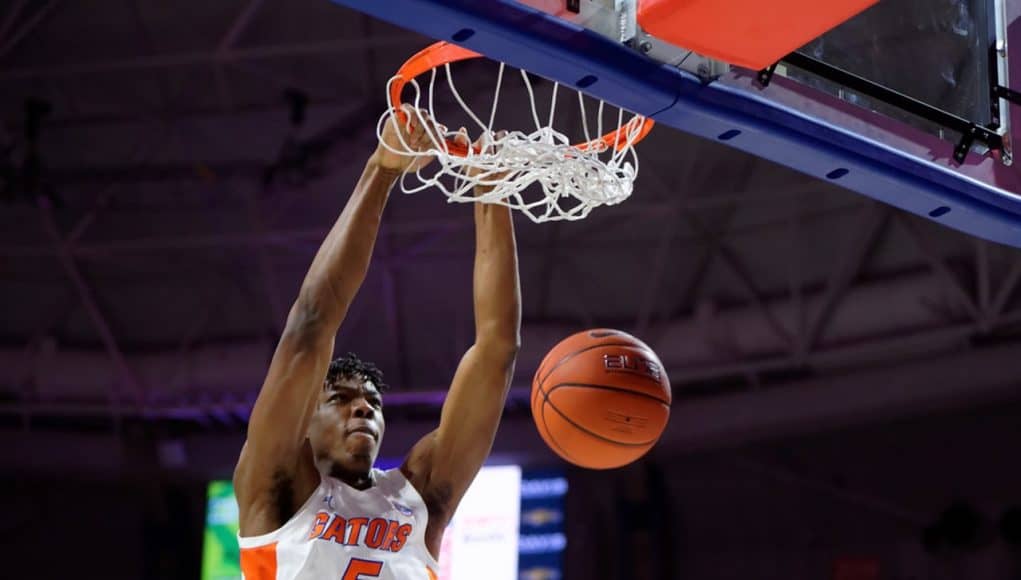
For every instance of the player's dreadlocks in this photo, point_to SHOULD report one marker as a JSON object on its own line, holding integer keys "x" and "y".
{"x": 350, "y": 366}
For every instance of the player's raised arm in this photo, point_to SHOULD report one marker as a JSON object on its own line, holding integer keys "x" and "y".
{"x": 274, "y": 455}
{"x": 444, "y": 463}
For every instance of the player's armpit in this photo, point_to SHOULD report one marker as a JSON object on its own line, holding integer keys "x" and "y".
{"x": 451, "y": 456}
{"x": 277, "y": 428}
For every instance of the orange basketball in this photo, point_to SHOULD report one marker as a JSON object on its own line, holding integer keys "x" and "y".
{"x": 601, "y": 398}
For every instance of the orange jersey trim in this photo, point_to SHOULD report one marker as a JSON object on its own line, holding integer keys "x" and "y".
{"x": 259, "y": 563}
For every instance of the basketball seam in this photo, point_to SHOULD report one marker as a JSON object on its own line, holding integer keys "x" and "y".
{"x": 586, "y": 349}
{"x": 545, "y": 399}
{"x": 552, "y": 437}
{"x": 608, "y": 388}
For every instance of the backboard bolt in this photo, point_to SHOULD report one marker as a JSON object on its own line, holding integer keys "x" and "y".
{"x": 645, "y": 46}
{"x": 765, "y": 75}
{"x": 964, "y": 145}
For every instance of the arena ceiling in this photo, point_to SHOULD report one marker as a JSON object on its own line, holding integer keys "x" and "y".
{"x": 148, "y": 265}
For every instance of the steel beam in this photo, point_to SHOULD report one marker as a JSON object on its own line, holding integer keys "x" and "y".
{"x": 872, "y": 221}
{"x": 26, "y": 28}
{"x": 939, "y": 267}
{"x": 99, "y": 320}
{"x": 144, "y": 63}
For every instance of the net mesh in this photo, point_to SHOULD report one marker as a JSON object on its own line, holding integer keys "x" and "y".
{"x": 540, "y": 173}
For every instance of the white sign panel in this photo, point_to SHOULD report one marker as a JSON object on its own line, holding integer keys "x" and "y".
{"x": 482, "y": 539}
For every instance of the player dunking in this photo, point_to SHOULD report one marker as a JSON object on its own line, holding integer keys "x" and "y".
{"x": 311, "y": 503}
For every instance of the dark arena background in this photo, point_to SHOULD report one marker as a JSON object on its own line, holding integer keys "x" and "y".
{"x": 846, "y": 376}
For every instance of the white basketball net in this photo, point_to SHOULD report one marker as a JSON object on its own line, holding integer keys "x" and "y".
{"x": 572, "y": 180}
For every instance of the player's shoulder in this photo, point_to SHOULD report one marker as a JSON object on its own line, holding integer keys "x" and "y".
{"x": 395, "y": 484}
{"x": 390, "y": 480}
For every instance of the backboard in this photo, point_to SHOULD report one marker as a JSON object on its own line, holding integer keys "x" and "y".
{"x": 905, "y": 102}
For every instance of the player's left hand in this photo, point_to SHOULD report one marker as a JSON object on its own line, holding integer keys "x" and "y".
{"x": 482, "y": 145}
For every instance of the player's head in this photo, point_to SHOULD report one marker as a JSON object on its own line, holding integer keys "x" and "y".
{"x": 347, "y": 427}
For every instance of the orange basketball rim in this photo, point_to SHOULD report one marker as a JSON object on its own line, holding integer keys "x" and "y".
{"x": 443, "y": 53}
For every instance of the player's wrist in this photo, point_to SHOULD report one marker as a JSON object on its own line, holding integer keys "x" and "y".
{"x": 385, "y": 165}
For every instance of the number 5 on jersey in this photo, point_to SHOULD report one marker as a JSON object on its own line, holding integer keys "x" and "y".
{"x": 358, "y": 569}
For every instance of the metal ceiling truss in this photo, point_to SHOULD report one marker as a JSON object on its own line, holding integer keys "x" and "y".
{"x": 710, "y": 218}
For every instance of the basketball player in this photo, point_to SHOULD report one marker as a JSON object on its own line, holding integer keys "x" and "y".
{"x": 311, "y": 504}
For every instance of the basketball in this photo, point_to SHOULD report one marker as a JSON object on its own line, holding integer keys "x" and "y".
{"x": 601, "y": 399}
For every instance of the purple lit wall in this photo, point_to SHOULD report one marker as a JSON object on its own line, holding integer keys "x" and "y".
{"x": 843, "y": 372}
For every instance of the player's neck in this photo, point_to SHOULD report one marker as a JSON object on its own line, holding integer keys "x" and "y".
{"x": 360, "y": 480}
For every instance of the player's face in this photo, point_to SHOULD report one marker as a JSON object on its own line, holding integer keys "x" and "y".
{"x": 348, "y": 425}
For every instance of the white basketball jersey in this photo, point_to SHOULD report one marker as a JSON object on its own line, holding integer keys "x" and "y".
{"x": 342, "y": 533}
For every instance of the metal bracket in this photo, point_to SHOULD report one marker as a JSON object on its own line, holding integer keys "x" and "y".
{"x": 1013, "y": 97}
{"x": 1007, "y": 93}
{"x": 766, "y": 75}
{"x": 962, "y": 147}
{"x": 970, "y": 132}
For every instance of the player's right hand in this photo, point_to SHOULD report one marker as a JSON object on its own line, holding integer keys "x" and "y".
{"x": 410, "y": 133}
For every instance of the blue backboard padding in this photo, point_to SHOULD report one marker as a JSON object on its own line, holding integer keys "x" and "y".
{"x": 548, "y": 46}
{"x": 817, "y": 148}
